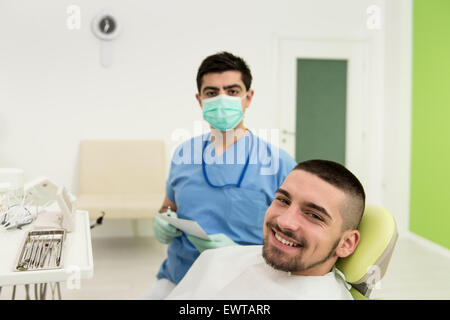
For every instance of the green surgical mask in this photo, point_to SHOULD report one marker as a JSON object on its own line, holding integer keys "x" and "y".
{"x": 223, "y": 112}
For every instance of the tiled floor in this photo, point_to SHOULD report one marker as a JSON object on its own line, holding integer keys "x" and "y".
{"x": 126, "y": 267}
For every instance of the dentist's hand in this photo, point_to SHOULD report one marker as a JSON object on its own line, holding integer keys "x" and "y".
{"x": 164, "y": 231}
{"x": 218, "y": 240}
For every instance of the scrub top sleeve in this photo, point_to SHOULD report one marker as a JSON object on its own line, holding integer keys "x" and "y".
{"x": 170, "y": 192}
{"x": 287, "y": 165}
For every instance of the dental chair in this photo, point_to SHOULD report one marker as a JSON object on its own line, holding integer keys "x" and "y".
{"x": 368, "y": 263}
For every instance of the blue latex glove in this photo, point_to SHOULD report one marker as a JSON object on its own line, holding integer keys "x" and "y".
{"x": 218, "y": 240}
{"x": 164, "y": 231}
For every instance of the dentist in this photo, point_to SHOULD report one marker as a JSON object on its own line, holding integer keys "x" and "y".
{"x": 225, "y": 179}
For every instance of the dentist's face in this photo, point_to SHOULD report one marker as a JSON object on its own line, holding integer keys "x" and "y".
{"x": 302, "y": 227}
{"x": 227, "y": 82}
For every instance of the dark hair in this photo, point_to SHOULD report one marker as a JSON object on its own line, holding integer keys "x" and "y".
{"x": 340, "y": 177}
{"x": 224, "y": 61}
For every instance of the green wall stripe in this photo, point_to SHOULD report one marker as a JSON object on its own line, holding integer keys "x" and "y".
{"x": 430, "y": 149}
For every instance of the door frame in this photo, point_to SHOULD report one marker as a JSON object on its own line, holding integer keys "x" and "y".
{"x": 363, "y": 142}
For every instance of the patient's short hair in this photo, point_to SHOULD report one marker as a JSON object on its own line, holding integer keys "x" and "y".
{"x": 340, "y": 177}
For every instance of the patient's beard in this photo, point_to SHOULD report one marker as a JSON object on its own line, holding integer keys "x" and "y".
{"x": 279, "y": 260}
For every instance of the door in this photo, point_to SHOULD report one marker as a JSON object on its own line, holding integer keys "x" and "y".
{"x": 321, "y": 109}
{"x": 325, "y": 112}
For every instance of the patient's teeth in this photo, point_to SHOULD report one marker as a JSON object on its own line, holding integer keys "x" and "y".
{"x": 285, "y": 241}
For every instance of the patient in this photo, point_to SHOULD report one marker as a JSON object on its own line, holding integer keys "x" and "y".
{"x": 312, "y": 222}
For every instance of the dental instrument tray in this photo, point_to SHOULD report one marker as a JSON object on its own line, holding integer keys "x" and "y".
{"x": 41, "y": 250}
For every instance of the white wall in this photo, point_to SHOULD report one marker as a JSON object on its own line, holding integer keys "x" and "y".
{"x": 54, "y": 92}
{"x": 398, "y": 110}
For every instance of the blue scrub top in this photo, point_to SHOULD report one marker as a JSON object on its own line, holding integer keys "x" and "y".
{"x": 238, "y": 212}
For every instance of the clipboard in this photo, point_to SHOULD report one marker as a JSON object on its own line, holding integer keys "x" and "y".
{"x": 189, "y": 226}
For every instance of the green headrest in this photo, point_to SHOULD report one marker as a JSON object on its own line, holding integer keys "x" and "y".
{"x": 369, "y": 261}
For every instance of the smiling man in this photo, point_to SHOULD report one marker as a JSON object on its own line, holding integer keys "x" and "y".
{"x": 311, "y": 223}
